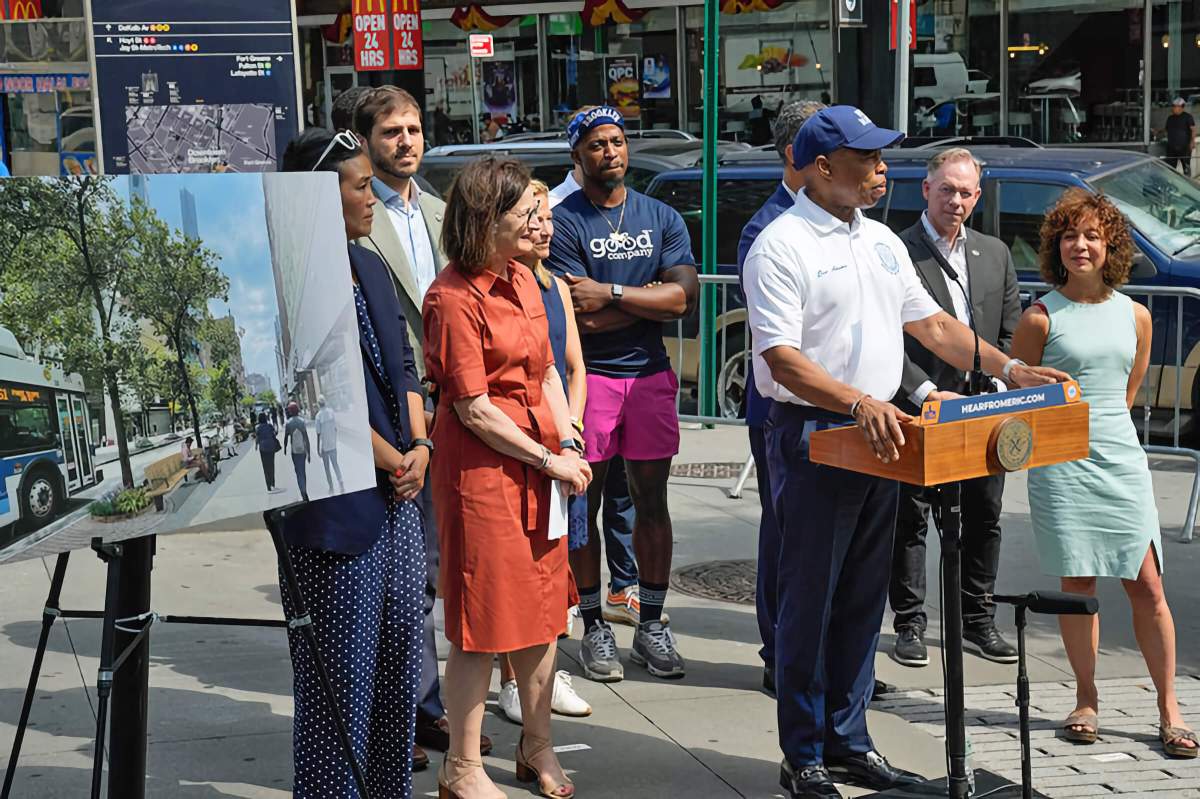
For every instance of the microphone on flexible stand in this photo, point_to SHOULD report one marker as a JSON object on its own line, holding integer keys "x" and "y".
{"x": 977, "y": 381}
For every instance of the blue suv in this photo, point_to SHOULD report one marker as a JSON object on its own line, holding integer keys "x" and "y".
{"x": 1019, "y": 185}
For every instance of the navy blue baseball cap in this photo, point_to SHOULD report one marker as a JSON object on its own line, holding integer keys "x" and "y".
{"x": 587, "y": 120}
{"x": 839, "y": 126}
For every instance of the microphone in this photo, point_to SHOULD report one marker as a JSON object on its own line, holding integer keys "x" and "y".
{"x": 977, "y": 381}
{"x": 1053, "y": 603}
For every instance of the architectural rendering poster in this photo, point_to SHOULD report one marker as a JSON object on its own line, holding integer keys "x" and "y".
{"x": 174, "y": 350}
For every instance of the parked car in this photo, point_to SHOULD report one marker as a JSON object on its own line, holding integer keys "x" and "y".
{"x": 1019, "y": 185}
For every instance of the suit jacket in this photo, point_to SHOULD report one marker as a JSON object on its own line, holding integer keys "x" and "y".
{"x": 995, "y": 304}
{"x": 351, "y": 523}
{"x": 758, "y": 406}
{"x": 385, "y": 241}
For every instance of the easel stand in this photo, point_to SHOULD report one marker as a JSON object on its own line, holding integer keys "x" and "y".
{"x": 126, "y": 778}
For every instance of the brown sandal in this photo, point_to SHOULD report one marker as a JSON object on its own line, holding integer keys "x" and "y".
{"x": 1081, "y": 727}
{"x": 1173, "y": 741}
{"x": 527, "y": 773}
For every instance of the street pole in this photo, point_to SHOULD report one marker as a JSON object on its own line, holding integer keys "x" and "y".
{"x": 902, "y": 62}
{"x": 708, "y": 296}
{"x": 474, "y": 104}
{"x": 130, "y": 685}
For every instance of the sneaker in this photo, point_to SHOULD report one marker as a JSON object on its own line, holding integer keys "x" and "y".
{"x": 510, "y": 702}
{"x": 598, "y": 654}
{"x": 654, "y": 648}
{"x": 565, "y": 702}
{"x": 910, "y": 647}
{"x": 987, "y": 641}
{"x": 624, "y": 607}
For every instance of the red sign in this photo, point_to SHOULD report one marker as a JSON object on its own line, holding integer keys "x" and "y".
{"x": 482, "y": 45}
{"x": 912, "y": 24}
{"x": 406, "y": 34}
{"x": 21, "y": 9}
{"x": 372, "y": 48}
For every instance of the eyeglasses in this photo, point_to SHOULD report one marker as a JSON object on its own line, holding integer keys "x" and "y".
{"x": 343, "y": 137}
{"x": 528, "y": 217}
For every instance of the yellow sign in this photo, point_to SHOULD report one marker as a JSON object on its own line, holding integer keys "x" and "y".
{"x": 370, "y": 6}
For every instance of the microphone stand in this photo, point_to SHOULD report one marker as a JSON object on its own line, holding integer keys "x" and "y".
{"x": 977, "y": 382}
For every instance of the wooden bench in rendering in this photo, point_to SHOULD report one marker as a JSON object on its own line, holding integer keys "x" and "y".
{"x": 164, "y": 476}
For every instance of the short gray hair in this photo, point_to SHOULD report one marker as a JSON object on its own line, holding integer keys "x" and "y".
{"x": 789, "y": 121}
{"x": 950, "y": 155}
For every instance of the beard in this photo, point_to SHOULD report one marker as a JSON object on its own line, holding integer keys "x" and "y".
{"x": 386, "y": 162}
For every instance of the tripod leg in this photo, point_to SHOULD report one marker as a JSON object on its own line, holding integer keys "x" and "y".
{"x": 950, "y": 497}
{"x": 49, "y": 614}
{"x": 303, "y": 623}
{"x": 1023, "y": 708}
{"x": 112, "y": 555}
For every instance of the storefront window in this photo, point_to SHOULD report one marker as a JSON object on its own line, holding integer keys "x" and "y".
{"x": 955, "y": 71}
{"x": 1175, "y": 63}
{"x": 506, "y": 86}
{"x": 1074, "y": 73}
{"x": 768, "y": 58}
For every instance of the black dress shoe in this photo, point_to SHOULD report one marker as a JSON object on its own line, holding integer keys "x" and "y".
{"x": 436, "y": 735}
{"x": 420, "y": 760}
{"x": 870, "y": 770}
{"x": 986, "y": 640}
{"x": 882, "y": 688}
{"x": 769, "y": 681}
{"x": 809, "y": 782}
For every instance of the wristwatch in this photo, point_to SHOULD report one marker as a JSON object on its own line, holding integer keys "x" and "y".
{"x": 618, "y": 291}
{"x": 570, "y": 443}
{"x": 1008, "y": 367}
{"x": 421, "y": 442}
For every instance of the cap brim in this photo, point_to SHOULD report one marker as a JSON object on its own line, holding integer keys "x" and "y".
{"x": 877, "y": 139}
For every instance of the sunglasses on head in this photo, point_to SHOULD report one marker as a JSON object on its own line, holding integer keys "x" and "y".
{"x": 344, "y": 138}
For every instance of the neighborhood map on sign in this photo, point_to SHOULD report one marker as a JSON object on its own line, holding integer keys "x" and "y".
{"x": 201, "y": 138}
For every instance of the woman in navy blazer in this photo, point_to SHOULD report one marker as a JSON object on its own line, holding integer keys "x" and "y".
{"x": 360, "y": 558}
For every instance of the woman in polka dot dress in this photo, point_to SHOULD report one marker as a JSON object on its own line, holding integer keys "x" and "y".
{"x": 360, "y": 558}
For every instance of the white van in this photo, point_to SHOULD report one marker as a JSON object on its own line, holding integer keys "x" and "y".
{"x": 939, "y": 77}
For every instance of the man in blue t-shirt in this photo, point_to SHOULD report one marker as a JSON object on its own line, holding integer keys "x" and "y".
{"x": 628, "y": 261}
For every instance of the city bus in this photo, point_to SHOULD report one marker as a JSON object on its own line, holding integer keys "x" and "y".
{"x": 46, "y": 452}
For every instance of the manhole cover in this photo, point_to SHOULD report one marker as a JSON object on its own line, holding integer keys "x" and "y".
{"x": 726, "y": 580}
{"x": 707, "y": 471}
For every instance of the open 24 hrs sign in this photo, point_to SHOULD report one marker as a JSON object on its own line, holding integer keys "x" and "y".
{"x": 387, "y": 35}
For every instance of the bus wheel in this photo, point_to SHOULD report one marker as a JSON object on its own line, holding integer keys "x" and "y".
{"x": 39, "y": 499}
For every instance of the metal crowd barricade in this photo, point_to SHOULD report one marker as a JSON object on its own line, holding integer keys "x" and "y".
{"x": 721, "y": 324}
{"x": 1151, "y": 391}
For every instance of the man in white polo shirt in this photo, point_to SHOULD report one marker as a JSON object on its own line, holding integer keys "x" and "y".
{"x": 830, "y": 294}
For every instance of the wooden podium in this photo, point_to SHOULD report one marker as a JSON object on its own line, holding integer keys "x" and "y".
{"x": 953, "y": 441}
{"x": 971, "y": 437}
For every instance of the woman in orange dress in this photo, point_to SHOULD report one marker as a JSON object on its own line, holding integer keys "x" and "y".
{"x": 503, "y": 433}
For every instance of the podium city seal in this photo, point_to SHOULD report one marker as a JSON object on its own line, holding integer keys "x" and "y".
{"x": 1012, "y": 444}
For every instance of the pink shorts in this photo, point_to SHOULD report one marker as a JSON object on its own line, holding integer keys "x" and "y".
{"x": 633, "y": 417}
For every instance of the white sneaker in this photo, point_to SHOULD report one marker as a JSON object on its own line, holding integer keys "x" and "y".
{"x": 565, "y": 701}
{"x": 510, "y": 701}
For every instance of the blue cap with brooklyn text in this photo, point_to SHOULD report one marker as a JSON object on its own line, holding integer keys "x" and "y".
{"x": 839, "y": 126}
{"x": 587, "y": 120}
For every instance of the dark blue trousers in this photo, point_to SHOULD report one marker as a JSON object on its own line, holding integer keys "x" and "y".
{"x": 767, "y": 593}
{"x": 835, "y": 555}
{"x": 618, "y": 519}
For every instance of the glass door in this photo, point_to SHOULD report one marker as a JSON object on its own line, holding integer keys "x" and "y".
{"x": 79, "y": 419}
{"x": 68, "y": 444}
{"x": 337, "y": 80}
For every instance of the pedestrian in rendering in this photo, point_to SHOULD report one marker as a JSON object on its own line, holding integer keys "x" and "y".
{"x": 360, "y": 557}
{"x": 266, "y": 441}
{"x": 295, "y": 435}
{"x": 327, "y": 443}
{"x": 1180, "y": 128}
{"x": 1096, "y": 517}
{"x": 503, "y": 422}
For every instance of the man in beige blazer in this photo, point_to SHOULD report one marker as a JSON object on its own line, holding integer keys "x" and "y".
{"x": 407, "y": 234}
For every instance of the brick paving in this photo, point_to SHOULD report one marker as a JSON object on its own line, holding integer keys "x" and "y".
{"x": 1127, "y": 759}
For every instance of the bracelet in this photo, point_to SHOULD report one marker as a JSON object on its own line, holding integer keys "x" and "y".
{"x": 541, "y": 467}
{"x": 577, "y": 424}
{"x": 1008, "y": 367}
{"x": 856, "y": 403}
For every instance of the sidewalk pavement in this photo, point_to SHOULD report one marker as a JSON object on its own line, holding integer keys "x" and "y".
{"x": 220, "y": 704}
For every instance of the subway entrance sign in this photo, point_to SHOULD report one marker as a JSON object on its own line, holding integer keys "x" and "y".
{"x": 195, "y": 87}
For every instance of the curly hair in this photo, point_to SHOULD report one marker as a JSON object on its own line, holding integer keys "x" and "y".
{"x": 1074, "y": 205}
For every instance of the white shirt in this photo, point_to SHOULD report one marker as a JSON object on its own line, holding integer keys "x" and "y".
{"x": 564, "y": 190}
{"x": 409, "y": 224}
{"x": 838, "y": 292}
{"x": 955, "y": 254}
{"x": 327, "y": 429}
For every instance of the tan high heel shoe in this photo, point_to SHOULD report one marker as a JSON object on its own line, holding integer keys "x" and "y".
{"x": 527, "y": 773}
{"x": 462, "y": 767}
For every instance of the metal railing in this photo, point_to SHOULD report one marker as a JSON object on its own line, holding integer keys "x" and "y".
{"x": 1151, "y": 396}
{"x": 721, "y": 325}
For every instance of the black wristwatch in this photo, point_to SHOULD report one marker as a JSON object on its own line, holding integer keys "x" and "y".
{"x": 421, "y": 442}
{"x": 570, "y": 443}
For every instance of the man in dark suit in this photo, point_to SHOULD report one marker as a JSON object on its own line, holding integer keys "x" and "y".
{"x": 971, "y": 276}
{"x": 786, "y": 125}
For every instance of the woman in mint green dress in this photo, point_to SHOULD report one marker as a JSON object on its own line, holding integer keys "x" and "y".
{"x": 1096, "y": 517}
